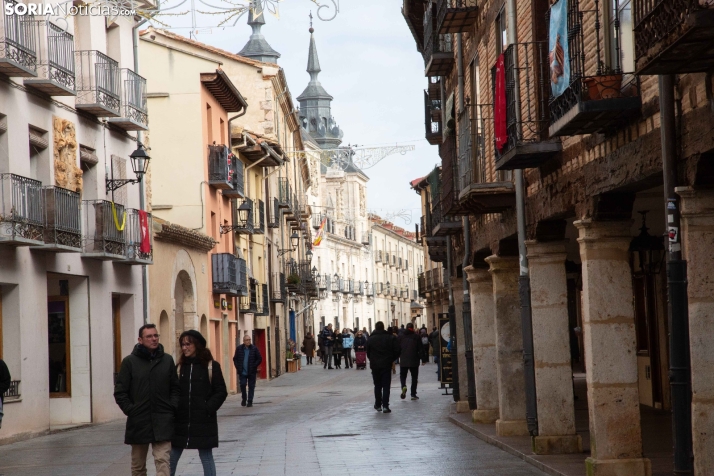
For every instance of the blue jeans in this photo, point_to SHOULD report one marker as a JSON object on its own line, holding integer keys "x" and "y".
{"x": 250, "y": 380}
{"x": 206, "y": 455}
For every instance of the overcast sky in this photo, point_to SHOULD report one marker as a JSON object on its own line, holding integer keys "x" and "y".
{"x": 371, "y": 67}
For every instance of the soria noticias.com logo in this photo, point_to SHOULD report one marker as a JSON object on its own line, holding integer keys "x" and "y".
{"x": 66, "y": 9}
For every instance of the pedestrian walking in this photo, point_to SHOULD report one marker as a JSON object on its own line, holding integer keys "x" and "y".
{"x": 410, "y": 356}
{"x": 203, "y": 391}
{"x": 327, "y": 337}
{"x": 401, "y": 330}
{"x": 395, "y": 332}
{"x": 382, "y": 349}
{"x": 424, "y": 336}
{"x": 5, "y": 380}
{"x": 365, "y": 333}
{"x": 434, "y": 339}
{"x": 360, "y": 347}
{"x": 147, "y": 391}
{"x": 247, "y": 359}
{"x": 337, "y": 349}
{"x": 347, "y": 341}
{"x": 308, "y": 347}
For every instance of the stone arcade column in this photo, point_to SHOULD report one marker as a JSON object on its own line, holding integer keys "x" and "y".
{"x": 697, "y": 210}
{"x": 551, "y": 343}
{"x": 457, "y": 285}
{"x": 509, "y": 347}
{"x": 610, "y": 351}
{"x": 484, "y": 338}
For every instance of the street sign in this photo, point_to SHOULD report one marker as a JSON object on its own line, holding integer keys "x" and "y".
{"x": 445, "y": 375}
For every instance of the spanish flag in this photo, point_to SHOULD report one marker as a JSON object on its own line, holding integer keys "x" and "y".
{"x": 320, "y": 233}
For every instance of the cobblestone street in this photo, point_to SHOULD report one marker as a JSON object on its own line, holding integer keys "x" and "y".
{"x": 313, "y": 422}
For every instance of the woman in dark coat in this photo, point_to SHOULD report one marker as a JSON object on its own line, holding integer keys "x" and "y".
{"x": 337, "y": 349}
{"x": 308, "y": 343}
{"x": 203, "y": 391}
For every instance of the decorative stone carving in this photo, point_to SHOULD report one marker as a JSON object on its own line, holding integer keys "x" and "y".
{"x": 67, "y": 174}
{"x": 362, "y": 200}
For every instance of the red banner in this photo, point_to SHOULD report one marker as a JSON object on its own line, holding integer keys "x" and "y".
{"x": 145, "y": 246}
{"x": 499, "y": 105}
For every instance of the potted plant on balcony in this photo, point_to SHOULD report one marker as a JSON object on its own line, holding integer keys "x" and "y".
{"x": 606, "y": 85}
{"x": 293, "y": 279}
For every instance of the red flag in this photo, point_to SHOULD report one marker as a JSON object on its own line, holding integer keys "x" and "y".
{"x": 145, "y": 246}
{"x": 499, "y": 105}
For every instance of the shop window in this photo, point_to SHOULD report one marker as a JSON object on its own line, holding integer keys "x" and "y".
{"x": 59, "y": 346}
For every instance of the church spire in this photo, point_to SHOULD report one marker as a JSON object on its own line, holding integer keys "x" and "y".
{"x": 257, "y": 47}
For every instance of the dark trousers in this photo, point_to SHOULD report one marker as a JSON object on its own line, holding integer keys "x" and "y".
{"x": 382, "y": 379}
{"x": 338, "y": 358}
{"x": 347, "y": 353}
{"x": 309, "y": 360}
{"x": 327, "y": 357}
{"x": 403, "y": 371}
{"x": 250, "y": 380}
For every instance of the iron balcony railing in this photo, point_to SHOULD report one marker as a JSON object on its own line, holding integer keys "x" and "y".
{"x": 229, "y": 274}
{"x": 104, "y": 229}
{"x": 450, "y": 185}
{"x": 139, "y": 247}
{"x": 63, "y": 219}
{"x": 263, "y": 301}
{"x": 378, "y": 256}
{"x": 284, "y": 193}
{"x": 22, "y": 216}
{"x": 278, "y": 287}
{"x": 323, "y": 281}
{"x": 421, "y": 284}
{"x": 56, "y": 61}
{"x": 432, "y": 119}
{"x": 369, "y": 289}
{"x": 472, "y": 159}
{"x": 249, "y": 303}
{"x": 438, "y": 49}
{"x": 13, "y": 392}
{"x": 236, "y": 175}
{"x": 351, "y": 286}
{"x": 274, "y": 215}
{"x": 365, "y": 238}
{"x": 98, "y": 83}
{"x": 456, "y": 16}
{"x": 18, "y": 42}
{"x": 336, "y": 285}
{"x": 220, "y": 167}
{"x": 259, "y": 217}
{"x": 133, "y": 100}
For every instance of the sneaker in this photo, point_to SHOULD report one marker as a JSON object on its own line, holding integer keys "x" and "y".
{"x": 404, "y": 393}
{"x": 414, "y": 397}
{"x": 242, "y": 403}
{"x": 378, "y": 408}
{"x": 386, "y": 410}
{"x": 250, "y": 404}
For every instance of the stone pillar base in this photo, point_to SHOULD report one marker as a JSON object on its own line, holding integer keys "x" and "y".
{"x": 462, "y": 407}
{"x": 511, "y": 428}
{"x": 484, "y": 416}
{"x": 557, "y": 445}
{"x": 618, "y": 467}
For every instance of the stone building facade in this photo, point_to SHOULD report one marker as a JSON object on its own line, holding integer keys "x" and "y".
{"x": 590, "y": 100}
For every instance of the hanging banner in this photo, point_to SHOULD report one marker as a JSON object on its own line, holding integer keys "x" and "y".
{"x": 445, "y": 374}
{"x": 320, "y": 233}
{"x": 499, "y": 105}
{"x": 558, "y": 56}
{"x": 145, "y": 246}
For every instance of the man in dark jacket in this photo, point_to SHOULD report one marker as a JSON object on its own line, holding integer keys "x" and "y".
{"x": 382, "y": 350}
{"x": 247, "y": 359}
{"x": 147, "y": 391}
{"x": 328, "y": 339}
{"x": 5, "y": 380}
{"x": 409, "y": 358}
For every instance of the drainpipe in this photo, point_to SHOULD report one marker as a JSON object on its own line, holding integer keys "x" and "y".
{"x": 678, "y": 307}
{"x": 452, "y": 326}
{"x": 466, "y": 313}
{"x": 524, "y": 280}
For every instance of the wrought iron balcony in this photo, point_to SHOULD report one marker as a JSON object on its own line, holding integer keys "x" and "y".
{"x": 263, "y": 301}
{"x": 456, "y": 16}
{"x": 18, "y": 43}
{"x": 294, "y": 281}
{"x": 249, "y": 303}
{"x": 379, "y": 288}
{"x": 597, "y": 98}
{"x": 220, "y": 167}
{"x": 22, "y": 211}
{"x": 139, "y": 247}
{"x": 336, "y": 285}
{"x": 274, "y": 216}
{"x": 450, "y": 185}
{"x": 351, "y": 286}
{"x": 432, "y": 119}
{"x": 13, "y": 392}
{"x": 259, "y": 217}
{"x": 443, "y": 225}
{"x": 323, "y": 281}
{"x": 133, "y": 114}
{"x": 285, "y": 195}
{"x": 421, "y": 282}
{"x": 229, "y": 275}
{"x": 104, "y": 230}
{"x": 98, "y": 83}
{"x": 673, "y": 36}
{"x": 369, "y": 289}
{"x": 378, "y": 256}
{"x": 63, "y": 220}
{"x": 436, "y": 246}
{"x": 55, "y": 64}
{"x": 527, "y": 92}
{"x": 236, "y": 173}
{"x": 278, "y": 287}
{"x": 438, "y": 49}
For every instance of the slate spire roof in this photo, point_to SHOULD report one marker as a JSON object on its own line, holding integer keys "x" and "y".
{"x": 314, "y": 89}
{"x": 257, "y": 47}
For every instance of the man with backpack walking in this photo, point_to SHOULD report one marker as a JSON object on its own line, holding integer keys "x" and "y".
{"x": 382, "y": 350}
{"x": 412, "y": 352}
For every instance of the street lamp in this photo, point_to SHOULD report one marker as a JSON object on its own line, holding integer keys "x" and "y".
{"x": 646, "y": 251}
{"x": 244, "y": 216}
{"x": 294, "y": 240}
{"x": 308, "y": 255}
{"x": 139, "y": 164}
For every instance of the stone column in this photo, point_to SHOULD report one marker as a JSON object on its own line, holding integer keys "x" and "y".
{"x": 457, "y": 286}
{"x": 551, "y": 345}
{"x": 697, "y": 210}
{"x": 610, "y": 351}
{"x": 509, "y": 347}
{"x": 484, "y": 338}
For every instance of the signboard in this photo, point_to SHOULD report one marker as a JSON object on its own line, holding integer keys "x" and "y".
{"x": 445, "y": 375}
